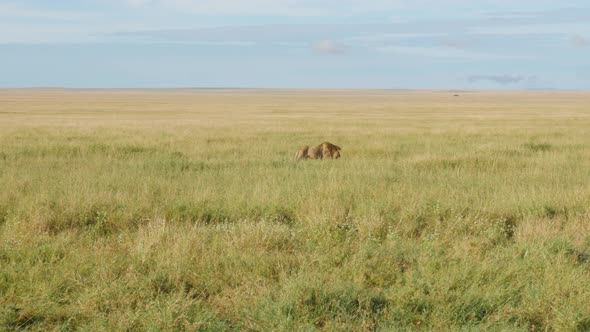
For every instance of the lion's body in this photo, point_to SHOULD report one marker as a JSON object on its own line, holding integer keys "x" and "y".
{"x": 302, "y": 153}
{"x": 324, "y": 150}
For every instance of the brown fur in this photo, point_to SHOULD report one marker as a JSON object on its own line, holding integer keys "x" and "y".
{"x": 325, "y": 150}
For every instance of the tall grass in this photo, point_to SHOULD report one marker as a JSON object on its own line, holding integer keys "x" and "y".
{"x": 184, "y": 210}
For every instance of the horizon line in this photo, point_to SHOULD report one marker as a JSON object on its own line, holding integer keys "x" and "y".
{"x": 283, "y": 88}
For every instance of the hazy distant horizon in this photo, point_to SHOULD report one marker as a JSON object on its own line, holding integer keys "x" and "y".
{"x": 453, "y": 90}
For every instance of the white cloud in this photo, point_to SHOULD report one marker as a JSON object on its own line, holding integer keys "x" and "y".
{"x": 383, "y": 37}
{"x": 232, "y": 7}
{"x": 328, "y": 47}
{"x": 444, "y": 52}
{"x": 234, "y": 43}
{"x": 580, "y": 41}
{"x": 499, "y": 79}
{"x": 13, "y": 11}
{"x": 539, "y": 28}
{"x": 138, "y": 3}
{"x": 321, "y": 7}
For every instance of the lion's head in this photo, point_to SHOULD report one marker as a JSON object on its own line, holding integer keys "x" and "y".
{"x": 330, "y": 150}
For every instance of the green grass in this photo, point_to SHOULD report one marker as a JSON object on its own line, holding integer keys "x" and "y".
{"x": 187, "y": 211}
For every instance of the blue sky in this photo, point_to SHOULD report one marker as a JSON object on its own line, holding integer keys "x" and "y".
{"x": 443, "y": 44}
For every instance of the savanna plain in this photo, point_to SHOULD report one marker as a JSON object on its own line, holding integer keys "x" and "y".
{"x": 185, "y": 210}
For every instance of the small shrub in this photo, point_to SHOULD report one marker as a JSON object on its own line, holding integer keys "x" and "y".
{"x": 583, "y": 325}
{"x": 507, "y": 225}
{"x": 384, "y": 265}
{"x": 473, "y": 311}
{"x": 98, "y": 222}
{"x": 580, "y": 257}
{"x": 130, "y": 149}
{"x": 417, "y": 226}
{"x": 414, "y": 310}
{"x": 451, "y": 163}
{"x": 95, "y": 219}
{"x": 283, "y": 215}
{"x": 560, "y": 246}
{"x": 499, "y": 229}
{"x": 533, "y": 321}
{"x": 346, "y": 304}
{"x": 344, "y": 230}
{"x": 199, "y": 212}
{"x": 3, "y": 215}
{"x": 162, "y": 285}
{"x": 278, "y": 164}
{"x": 549, "y": 211}
{"x": 177, "y": 154}
{"x": 99, "y": 148}
{"x": 19, "y": 319}
{"x": 538, "y": 147}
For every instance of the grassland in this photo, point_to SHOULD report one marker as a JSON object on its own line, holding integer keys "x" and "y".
{"x": 184, "y": 210}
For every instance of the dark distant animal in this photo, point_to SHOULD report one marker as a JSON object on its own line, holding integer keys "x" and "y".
{"x": 325, "y": 150}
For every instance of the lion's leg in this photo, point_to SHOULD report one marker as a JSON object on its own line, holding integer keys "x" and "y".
{"x": 326, "y": 152}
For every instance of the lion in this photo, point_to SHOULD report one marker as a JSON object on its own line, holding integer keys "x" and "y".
{"x": 325, "y": 150}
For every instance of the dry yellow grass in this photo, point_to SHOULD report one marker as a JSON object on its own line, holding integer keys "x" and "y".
{"x": 184, "y": 209}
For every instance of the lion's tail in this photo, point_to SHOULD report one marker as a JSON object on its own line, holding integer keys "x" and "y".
{"x": 301, "y": 153}
{"x": 298, "y": 155}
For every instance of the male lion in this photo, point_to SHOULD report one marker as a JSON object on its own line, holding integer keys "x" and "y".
{"x": 324, "y": 150}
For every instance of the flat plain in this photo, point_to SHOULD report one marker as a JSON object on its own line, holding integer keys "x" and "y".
{"x": 183, "y": 209}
